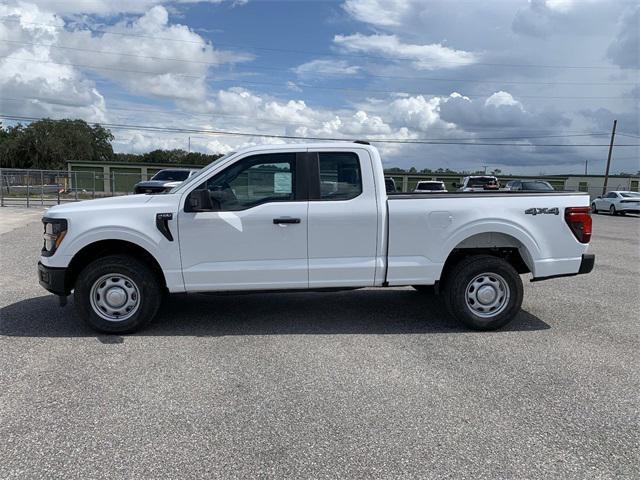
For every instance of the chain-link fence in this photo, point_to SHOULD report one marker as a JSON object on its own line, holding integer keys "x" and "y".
{"x": 20, "y": 187}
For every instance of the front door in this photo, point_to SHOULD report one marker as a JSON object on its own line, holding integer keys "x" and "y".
{"x": 257, "y": 237}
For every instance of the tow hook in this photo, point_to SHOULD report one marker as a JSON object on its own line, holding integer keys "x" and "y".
{"x": 62, "y": 299}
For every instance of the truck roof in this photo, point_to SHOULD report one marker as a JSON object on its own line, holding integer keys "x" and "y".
{"x": 304, "y": 146}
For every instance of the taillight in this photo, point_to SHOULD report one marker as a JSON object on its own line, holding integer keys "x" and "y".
{"x": 579, "y": 221}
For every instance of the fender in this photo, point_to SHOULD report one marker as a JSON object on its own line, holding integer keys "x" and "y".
{"x": 493, "y": 225}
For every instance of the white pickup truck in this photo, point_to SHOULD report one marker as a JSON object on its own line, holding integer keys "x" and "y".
{"x": 308, "y": 217}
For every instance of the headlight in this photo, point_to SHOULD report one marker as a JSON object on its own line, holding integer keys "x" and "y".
{"x": 54, "y": 231}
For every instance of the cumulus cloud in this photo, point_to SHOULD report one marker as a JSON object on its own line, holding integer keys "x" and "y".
{"x": 500, "y": 109}
{"x": 378, "y": 12}
{"x": 425, "y": 57}
{"x": 624, "y": 51}
{"x": 48, "y": 62}
{"x": 31, "y": 85}
{"x": 326, "y": 68}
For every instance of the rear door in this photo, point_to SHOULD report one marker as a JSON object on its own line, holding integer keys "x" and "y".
{"x": 343, "y": 219}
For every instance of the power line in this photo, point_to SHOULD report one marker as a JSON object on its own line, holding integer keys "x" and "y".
{"x": 628, "y": 135}
{"x": 275, "y": 122}
{"x": 302, "y": 85}
{"x": 152, "y": 128}
{"x": 264, "y": 67}
{"x": 523, "y": 133}
{"x": 304, "y": 52}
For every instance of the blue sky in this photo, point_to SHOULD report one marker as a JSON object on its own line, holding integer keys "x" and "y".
{"x": 528, "y": 72}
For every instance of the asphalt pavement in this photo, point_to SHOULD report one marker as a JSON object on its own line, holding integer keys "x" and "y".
{"x": 363, "y": 384}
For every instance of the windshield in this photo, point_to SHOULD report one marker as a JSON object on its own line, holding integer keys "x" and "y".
{"x": 198, "y": 175}
{"x": 171, "y": 175}
{"x": 544, "y": 186}
{"x": 630, "y": 194}
{"x": 430, "y": 186}
{"x": 482, "y": 181}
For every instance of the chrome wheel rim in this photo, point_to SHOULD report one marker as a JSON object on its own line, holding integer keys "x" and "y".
{"x": 487, "y": 295}
{"x": 115, "y": 297}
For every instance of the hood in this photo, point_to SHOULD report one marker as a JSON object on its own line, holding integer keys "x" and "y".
{"x": 154, "y": 183}
{"x": 99, "y": 204}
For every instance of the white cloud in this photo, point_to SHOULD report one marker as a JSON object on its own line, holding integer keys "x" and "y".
{"x": 174, "y": 59}
{"x": 383, "y": 13}
{"x": 425, "y": 57}
{"x": 326, "y": 68}
{"x": 30, "y": 85}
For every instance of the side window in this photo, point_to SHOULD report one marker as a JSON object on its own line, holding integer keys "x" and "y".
{"x": 340, "y": 175}
{"x": 611, "y": 195}
{"x": 254, "y": 180}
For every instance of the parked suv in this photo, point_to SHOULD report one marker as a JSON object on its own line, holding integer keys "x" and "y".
{"x": 430, "y": 186}
{"x": 164, "y": 180}
{"x": 478, "y": 184}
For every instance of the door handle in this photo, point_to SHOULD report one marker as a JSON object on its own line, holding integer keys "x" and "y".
{"x": 285, "y": 220}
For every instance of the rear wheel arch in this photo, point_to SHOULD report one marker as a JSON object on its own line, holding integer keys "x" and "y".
{"x": 496, "y": 244}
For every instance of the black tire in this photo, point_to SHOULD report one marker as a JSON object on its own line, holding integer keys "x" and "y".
{"x": 424, "y": 288}
{"x": 135, "y": 277}
{"x": 593, "y": 208}
{"x": 612, "y": 210}
{"x": 499, "y": 275}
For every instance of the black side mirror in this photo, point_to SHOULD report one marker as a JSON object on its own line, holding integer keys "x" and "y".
{"x": 200, "y": 201}
{"x": 455, "y": 185}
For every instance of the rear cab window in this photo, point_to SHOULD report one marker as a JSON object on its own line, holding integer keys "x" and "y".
{"x": 340, "y": 175}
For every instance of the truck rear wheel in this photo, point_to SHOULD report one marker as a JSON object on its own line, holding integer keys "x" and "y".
{"x": 117, "y": 294}
{"x": 483, "y": 292}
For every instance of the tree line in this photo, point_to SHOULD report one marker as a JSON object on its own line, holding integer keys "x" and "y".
{"x": 48, "y": 144}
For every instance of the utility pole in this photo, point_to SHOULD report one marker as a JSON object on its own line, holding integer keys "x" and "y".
{"x": 606, "y": 173}
{"x": 189, "y": 144}
{"x": 485, "y": 168}
{"x": 586, "y": 167}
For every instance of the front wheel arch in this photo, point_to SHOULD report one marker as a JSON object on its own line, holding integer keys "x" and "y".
{"x": 105, "y": 248}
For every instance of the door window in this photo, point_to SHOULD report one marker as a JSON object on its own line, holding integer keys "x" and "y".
{"x": 254, "y": 180}
{"x": 340, "y": 176}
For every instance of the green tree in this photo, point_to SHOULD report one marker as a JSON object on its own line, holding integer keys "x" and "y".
{"x": 49, "y": 144}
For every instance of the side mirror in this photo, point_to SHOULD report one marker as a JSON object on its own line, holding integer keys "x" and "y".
{"x": 199, "y": 201}
{"x": 455, "y": 185}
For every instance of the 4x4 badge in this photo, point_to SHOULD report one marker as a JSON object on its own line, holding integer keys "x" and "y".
{"x": 542, "y": 211}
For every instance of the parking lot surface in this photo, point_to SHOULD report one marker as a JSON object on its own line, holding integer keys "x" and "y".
{"x": 362, "y": 384}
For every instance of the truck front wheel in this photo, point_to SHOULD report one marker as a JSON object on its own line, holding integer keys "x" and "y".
{"x": 117, "y": 294}
{"x": 483, "y": 292}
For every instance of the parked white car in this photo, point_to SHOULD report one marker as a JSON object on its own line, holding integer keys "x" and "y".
{"x": 617, "y": 203}
{"x": 308, "y": 217}
{"x": 430, "y": 186}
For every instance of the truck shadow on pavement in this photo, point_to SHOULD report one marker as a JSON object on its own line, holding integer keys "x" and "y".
{"x": 400, "y": 311}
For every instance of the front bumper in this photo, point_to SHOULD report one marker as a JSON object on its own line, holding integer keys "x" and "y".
{"x": 53, "y": 279}
{"x": 586, "y": 266}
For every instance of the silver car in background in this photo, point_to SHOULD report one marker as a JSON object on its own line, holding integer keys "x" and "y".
{"x": 617, "y": 203}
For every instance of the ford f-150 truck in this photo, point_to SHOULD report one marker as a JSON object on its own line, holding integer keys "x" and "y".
{"x": 308, "y": 217}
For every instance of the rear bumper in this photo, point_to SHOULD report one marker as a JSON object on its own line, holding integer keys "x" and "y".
{"x": 586, "y": 266}
{"x": 53, "y": 279}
